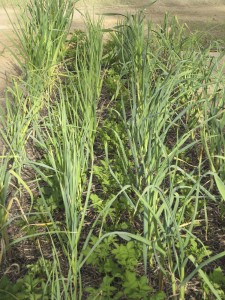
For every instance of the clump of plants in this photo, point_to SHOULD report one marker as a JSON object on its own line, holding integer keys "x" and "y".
{"x": 112, "y": 184}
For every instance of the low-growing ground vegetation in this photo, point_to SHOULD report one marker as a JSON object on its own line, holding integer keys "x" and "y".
{"x": 112, "y": 182}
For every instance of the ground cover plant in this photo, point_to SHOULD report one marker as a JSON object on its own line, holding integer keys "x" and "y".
{"x": 112, "y": 172}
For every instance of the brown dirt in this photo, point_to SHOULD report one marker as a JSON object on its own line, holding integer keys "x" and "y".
{"x": 200, "y": 11}
{"x": 6, "y": 63}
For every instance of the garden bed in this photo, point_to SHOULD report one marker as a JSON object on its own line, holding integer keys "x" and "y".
{"x": 112, "y": 172}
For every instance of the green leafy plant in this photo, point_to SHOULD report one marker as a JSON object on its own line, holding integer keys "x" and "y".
{"x": 217, "y": 279}
{"x": 31, "y": 286}
{"x": 118, "y": 139}
{"x": 118, "y": 263}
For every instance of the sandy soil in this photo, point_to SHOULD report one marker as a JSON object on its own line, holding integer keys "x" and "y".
{"x": 189, "y": 11}
{"x": 6, "y": 63}
{"x": 186, "y": 10}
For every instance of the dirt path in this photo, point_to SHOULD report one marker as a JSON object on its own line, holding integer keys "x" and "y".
{"x": 6, "y": 64}
{"x": 187, "y": 10}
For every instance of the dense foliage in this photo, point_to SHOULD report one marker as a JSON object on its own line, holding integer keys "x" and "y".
{"x": 113, "y": 166}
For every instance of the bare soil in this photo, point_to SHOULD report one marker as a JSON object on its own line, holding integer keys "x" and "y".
{"x": 6, "y": 62}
